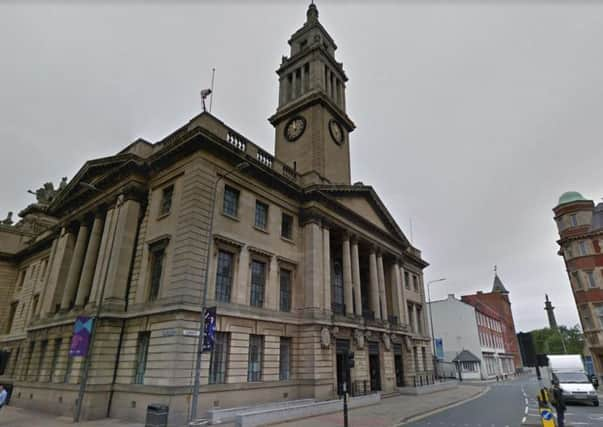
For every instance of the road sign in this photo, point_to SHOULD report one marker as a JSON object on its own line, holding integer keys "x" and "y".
{"x": 547, "y": 418}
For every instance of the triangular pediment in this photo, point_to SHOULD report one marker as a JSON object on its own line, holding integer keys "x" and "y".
{"x": 362, "y": 206}
{"x": 363, "y": 201}
{"x": 93, "y": 172}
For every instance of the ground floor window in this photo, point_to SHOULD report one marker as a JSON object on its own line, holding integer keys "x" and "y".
{"x": 55, "y": 358}
{"x": 256, "y": 350}
{"x": 142, "y": 352}
{"x": 284, "y": 363}
{"x": 219, "y": 359}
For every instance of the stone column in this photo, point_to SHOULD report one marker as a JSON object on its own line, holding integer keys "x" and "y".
{"x": 382, "y": 294}
{"x": 58, "y": 272}
{"x": 44, "y": 294}
{"x": 424, "y": 322}
{"x": 347, "y": 276}
{"x": 240, "y": 290}
{"x": 326, "y": 268}
{"x": 374, "y": 285}
{"x": 313, "y": 260}
{"x": 103, "y": 256}
{"x": 415, "y": 314}
{"x": 272, "y": 293}
{"x": 406, "y": 318}
{"x": 122, "y": 252}
{"x": 356, "y": 279}
{"x": 89, "y": 262}
{"x": 396, "y": 292}
{"x": 73, "y": 277}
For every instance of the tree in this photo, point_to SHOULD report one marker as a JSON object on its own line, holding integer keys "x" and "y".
{"x": 548, "y": 341}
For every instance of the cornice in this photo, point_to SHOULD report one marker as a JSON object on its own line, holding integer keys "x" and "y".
{"x": 312, "y": 98}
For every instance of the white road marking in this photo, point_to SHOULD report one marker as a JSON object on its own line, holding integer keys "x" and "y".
{"x": 526, "y": 412}
{"x": 523, "y": 420}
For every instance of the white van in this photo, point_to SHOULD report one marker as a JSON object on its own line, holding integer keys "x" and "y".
{"x": 569, "y": 371}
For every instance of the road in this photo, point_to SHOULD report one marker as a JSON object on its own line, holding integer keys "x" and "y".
{"x": 508, "y": 404}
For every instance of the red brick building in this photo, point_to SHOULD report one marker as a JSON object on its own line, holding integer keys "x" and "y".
{"x": 498, "y": 301}
{"x": 580, "y": 226}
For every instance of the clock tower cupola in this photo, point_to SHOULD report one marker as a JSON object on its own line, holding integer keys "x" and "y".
{"x": 311, "y": 123}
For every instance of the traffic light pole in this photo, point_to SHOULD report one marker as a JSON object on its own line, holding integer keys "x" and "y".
{"x": 345, "y": 404}
{"x": 348, "y": 364}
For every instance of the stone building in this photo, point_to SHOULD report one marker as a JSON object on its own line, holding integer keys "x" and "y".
{"x": 580, "y": 225}
{"x": 303, "y": 266}
{"x": 498, "y": 300}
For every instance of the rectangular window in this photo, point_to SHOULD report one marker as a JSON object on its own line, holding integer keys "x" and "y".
{"x": 258, "y": 283}
{"x": 11, "y": 316}
{"x": 67, "y": 374}
{"x": 224, "y": 276}
{"x": 577, "y": 280}
{"x": 157, "y": 253}
{"x": 407, "y": 280}
{"x": 591, "y": 279}
{"x": 166, "y": 200}
{"x": 230, "y": 204}
{"x": 583, "y": 250}
{"x": 43, "y": 348}
{"x": 15, "y": 362}
{"x": 285, "y": 291}
{"x": 219, "y": 359}
{"x": 574, "y": 220}
{"x": 25, "y": 374}
{"x": 284, "y": 364}
{"x": 599, "y": 313}
{"x": 256, "y": 350}
{"x": 55, "y": 358}
{"x": 287, "y": 226}
{"x": 142, "y": 353}
{"x": 21, "y": 280}
{"x": 34, "y": 306}
{"x": 261, "y": 215}
{"x": 415, "y": 283}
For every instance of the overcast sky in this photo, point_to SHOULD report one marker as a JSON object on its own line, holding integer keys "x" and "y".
{"x": 471, "y": 118}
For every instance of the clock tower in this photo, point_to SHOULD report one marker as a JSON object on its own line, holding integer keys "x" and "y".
{"x": 312, "y": 127}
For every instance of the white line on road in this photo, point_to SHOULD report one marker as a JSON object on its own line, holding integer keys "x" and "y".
{"x": 526, "y": 411}
{"x": 523, "y": 420}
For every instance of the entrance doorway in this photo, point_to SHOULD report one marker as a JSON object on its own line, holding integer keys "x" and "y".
{"x": 399, "y": 365}
{"x": 342, "y": 347}
{"x": 374, "y": 366}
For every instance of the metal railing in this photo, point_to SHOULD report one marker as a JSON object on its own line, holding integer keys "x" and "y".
{"x": 423, "y": 378}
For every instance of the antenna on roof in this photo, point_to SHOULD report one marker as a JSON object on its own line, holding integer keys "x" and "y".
{"x": 211, "y": 99}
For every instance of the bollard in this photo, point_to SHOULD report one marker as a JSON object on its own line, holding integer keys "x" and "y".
{"x": 544, "y": 409}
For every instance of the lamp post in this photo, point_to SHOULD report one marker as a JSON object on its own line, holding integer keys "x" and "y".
{"x": 197, "y": 385}
{"x": 431, "y": 322}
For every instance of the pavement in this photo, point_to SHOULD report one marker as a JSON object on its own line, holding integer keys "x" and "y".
{"x": 394, "y": 411}
{"x": 18, "y": 417}
{"x": 389, "y": 412}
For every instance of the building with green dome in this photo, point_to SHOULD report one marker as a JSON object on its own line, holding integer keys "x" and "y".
{"x": 580, "y": 225}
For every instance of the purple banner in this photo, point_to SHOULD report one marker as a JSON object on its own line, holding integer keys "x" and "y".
{"x": 81, "y": 336}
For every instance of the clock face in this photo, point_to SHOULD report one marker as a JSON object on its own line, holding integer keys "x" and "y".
{"x": 295, "y": 128}
{"x": 336, "y": 132}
